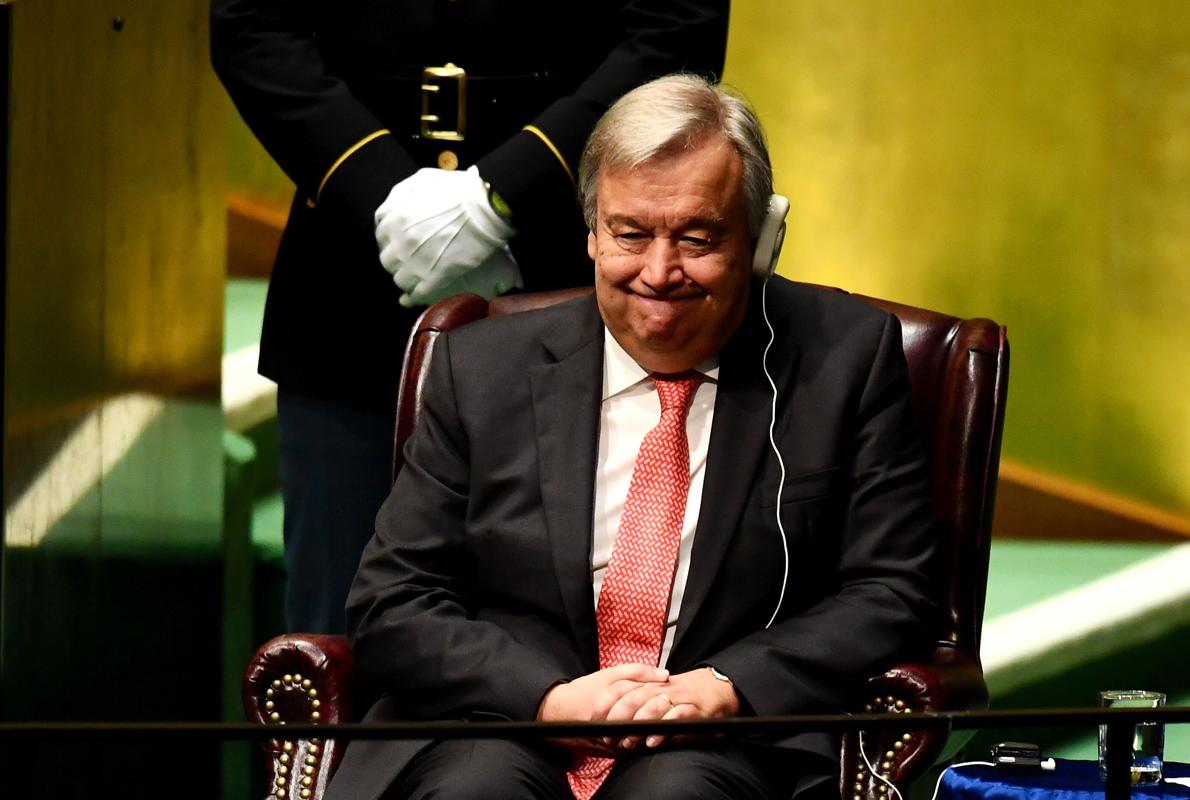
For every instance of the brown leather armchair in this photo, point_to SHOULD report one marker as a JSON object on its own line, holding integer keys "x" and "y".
{"x": 958, "y": 372}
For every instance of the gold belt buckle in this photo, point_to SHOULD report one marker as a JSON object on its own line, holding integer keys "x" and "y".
{"x": 433, "y": 81}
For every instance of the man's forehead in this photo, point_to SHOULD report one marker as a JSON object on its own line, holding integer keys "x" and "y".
{"x": 698, "y": 186}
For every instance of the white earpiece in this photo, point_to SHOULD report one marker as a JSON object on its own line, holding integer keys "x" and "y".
{"x": 771, "y": 237}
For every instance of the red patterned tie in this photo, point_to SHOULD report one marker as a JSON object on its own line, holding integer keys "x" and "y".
{"x": 634, "y": 598}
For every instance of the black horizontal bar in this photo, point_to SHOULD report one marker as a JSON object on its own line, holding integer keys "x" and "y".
{"x": 737, "y": 726}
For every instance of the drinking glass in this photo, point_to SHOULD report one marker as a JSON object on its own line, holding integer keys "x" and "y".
{"x": 1148, "y": 738}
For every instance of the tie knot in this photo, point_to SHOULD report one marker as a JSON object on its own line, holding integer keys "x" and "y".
{"x": 676, "y": 391}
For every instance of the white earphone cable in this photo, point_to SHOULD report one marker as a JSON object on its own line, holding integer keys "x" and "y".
{"x": 938, "y": 785}
{"x": 773, "y": 443}
{"x": 876, "y": 773}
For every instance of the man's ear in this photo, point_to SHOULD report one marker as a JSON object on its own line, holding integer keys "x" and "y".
{"x": 591, "y": 249}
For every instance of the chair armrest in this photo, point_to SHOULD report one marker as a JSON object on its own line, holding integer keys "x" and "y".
{"x": 950, "y": 681}
{"x": 300, "y": 678}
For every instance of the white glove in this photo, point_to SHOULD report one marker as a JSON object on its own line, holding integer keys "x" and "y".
{"x": 497, "y": 275}
{"x": 435, "y": 226}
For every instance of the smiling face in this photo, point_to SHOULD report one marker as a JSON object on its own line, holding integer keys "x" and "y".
{"x": 672, "y": 255}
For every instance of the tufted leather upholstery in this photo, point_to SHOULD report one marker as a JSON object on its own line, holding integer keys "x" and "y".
{"x": 958, "y": 374}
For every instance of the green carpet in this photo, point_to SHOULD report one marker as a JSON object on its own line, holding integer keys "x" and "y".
{"x": 1024, "y": 571}
{"x": 243, "y": 312}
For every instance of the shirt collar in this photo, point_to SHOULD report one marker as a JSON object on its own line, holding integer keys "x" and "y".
{"x": 621, "y": 373}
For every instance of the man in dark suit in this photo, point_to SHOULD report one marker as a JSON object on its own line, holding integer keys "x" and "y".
{"x": 799, "y": 551}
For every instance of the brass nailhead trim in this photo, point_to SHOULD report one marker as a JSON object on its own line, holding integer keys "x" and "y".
{"x": 295, "y": 682}
{"x": 889, "y": 704}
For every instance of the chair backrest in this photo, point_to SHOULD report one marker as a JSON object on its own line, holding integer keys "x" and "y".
{"x": 958, "y": 374}
{"x": 958, "y": 377}
{"x": 446, "y": 315}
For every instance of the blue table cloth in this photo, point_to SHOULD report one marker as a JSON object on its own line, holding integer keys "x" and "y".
{"x": 1072, "y": 780}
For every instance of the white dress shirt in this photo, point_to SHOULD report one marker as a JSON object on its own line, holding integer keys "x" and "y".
{"x": 629, "y": 409}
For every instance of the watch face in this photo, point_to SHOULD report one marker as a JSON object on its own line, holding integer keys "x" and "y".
{"x": 498, "y": 204}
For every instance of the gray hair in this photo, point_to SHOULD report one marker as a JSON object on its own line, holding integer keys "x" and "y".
{"x": 670, "y": 114}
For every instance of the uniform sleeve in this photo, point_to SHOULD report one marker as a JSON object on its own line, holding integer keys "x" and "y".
{"x": 540, "y": 164}
{"x": 333, "y": 148}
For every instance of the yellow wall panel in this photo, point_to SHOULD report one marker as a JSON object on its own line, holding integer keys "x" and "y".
{"x": 1027, "y": 161}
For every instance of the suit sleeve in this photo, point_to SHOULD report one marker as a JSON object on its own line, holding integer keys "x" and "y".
{"x": 881, "y": 606}
{"x": 409, "y": 612}
{"x": 540, "y": 164}
{"x": 330, "y": 145}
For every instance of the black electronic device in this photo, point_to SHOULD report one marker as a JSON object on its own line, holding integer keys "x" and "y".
{"x": 1017, "y": 757}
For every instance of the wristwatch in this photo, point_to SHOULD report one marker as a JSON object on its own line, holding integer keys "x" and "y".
{"x": 719, "y": 676}
{"x": 497, "y": 202}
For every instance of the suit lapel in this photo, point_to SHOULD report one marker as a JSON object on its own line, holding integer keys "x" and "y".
{"x": 566, "y": 394}
{"x": 739, "y": 444}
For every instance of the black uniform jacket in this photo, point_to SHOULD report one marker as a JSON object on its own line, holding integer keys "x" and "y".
{"x": 474, "y": 596}
{"x": 315, "y": 79}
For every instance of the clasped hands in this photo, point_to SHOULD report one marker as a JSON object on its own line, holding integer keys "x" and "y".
{"x": 635, "y": 692}
{"x": 439, "y": 235}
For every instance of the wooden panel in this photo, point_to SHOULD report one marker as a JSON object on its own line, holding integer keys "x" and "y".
{"x": 1032, "y": 504}
{"x": 254, "y": 226}
{"x": 164, "y": 223}
{"x": 114, "y": 264}
{"x": 113, "y": 339}
{"x": 56, "y": 200}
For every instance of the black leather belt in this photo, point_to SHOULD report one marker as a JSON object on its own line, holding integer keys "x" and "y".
{"x": 446, "y": 109}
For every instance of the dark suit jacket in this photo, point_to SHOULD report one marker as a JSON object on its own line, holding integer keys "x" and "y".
{"x": 312, "y": 78}
{"x": 474, "y": 596}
